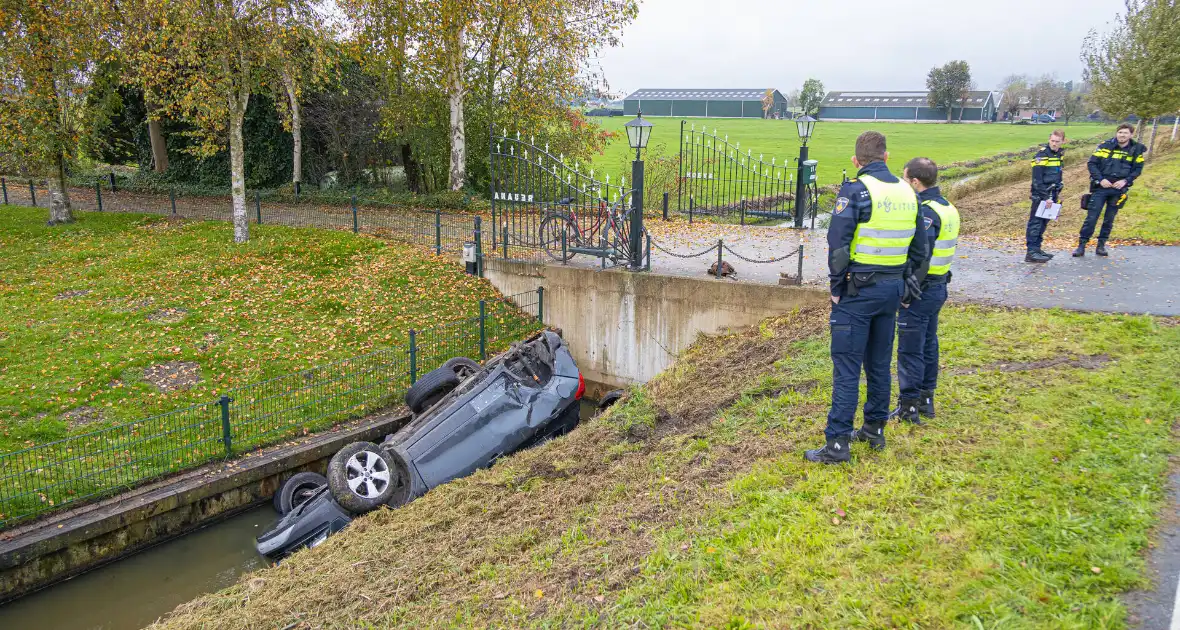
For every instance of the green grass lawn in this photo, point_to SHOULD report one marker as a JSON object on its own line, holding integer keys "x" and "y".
{"x": 833, "y": 142}
{"x": 89, "y": 309}
{"x": 1028, "y": 502}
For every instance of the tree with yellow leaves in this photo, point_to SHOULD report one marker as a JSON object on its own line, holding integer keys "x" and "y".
{"x": 49, "y": 52}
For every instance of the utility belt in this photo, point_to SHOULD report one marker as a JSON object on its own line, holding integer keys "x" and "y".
{"x": 857, "y": 280}
{"x": 944, "y": 278}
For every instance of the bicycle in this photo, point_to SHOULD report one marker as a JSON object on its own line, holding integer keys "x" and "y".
{"x": 613, "y": 222}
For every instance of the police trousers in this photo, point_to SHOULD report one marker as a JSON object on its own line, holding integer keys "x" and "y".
{"x": 862, "y": 335}
{"x": 1114, "y": 200}
{"x": 1034, "y": 232}
{"x": 917, "y": 342}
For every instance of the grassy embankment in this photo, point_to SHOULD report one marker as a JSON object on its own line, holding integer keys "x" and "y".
{"x": 1027, "y": 504}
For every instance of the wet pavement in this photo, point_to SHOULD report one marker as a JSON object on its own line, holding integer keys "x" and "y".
{"x": 1133, "y": 279}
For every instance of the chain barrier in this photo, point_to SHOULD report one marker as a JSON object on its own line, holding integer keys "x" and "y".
{"x": 764, "y": 262}
{"x": 685, "y": 256}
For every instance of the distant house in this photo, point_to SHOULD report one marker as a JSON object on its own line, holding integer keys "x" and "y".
{"x": 981, "y": 106}
{"x": 705, "y": 103}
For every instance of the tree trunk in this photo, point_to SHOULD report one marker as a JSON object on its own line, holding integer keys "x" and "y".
{"x": 159, "y": 147}
{"x": 949, "y": 113}
{"x": 1139, "y": 130}
{"x": 59, "y": 196}
{"x": 413, "y": 182}
{"x": 237, "y": 164}
{"x": 1175, "y": 125}
{"x": 458, "y": 172}
{"x": 296, "y": 130}
{"x": 1155, "y": 125}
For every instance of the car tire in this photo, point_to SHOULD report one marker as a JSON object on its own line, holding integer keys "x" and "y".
{"x": 431, "y": 388}
{"x": 463, "y": 367}
{"x": 362, "y": 477}
{"x": 296, "y": 490}
{"x": 610, "y": 398}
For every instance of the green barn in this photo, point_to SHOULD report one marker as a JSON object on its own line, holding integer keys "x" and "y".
{"x": 705, "y": 103}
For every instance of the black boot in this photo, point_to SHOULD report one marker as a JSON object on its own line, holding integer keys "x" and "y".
{"x": 1101, "y": 249}
{"x": 874, "y": 434}
{"x": 1081, "y": 250}
{"x": 926, "y": 403}
{"x": 907, "y": 411}
{"x": 1037, "y": 256}
{"x": 834, "y": 452}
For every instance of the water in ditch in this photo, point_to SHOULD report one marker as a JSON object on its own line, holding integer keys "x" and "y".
{"x": 134, "y": 592}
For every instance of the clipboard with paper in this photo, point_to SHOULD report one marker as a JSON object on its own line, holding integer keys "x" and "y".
{"x": 1048, "y": 210}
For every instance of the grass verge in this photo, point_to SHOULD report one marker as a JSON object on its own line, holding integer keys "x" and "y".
{"x": 116, "y": 317}
{"x": 1026, "y": 504}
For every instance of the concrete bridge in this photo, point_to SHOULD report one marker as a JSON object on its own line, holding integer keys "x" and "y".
{"x": 626, "y": 327}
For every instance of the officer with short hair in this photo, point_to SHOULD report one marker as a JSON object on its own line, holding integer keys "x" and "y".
{"x": 877, "y": 258}
{"x": 1113, "y": 169}
{"x": 917, "y": 323}
{"x": 1046, "y": 185}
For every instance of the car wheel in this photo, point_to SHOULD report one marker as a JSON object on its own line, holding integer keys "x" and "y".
{"x": 611, "y": 398}
{"x": 296, "y": 490}
{"x": 361, "y": 477}
{"x": 463, "y": 367}
{"x": 431, "y": 388}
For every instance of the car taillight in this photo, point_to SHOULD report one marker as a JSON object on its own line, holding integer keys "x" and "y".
{"x": 581, "y": 387}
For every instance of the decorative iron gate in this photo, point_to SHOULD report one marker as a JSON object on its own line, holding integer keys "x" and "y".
{"x": 717, "y": 179}
{"x": 549, "y": 207}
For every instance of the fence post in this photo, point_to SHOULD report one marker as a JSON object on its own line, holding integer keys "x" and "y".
{"x": 665, "y": 206}
{"x": 172, "y": 198}
{"x": 356, "y": 228}
{"x": 720, "y": 246}
{"x": 648, "y": 266}
{"x": 479, "y": 247}
{"x": 226, "y": 432}
{"x": 505, "y": 239}
{"x": 799, "y": 277}
{"x": 258, "y": 206}
{"x": 541, "y": 304}
{"x": 4, "y": 185}
{"x": 690, "y": 205}
{"x": 32, "y": 192}
{"x": 437, "y": 232}
{"x": 483, "y": 330}
{"x": 743, "y": 211}
{"x": 113, "y": 181}
{"x": 413, "y": 356}
{"x": 564, "y": 254}
{"x": 98, "y": 195}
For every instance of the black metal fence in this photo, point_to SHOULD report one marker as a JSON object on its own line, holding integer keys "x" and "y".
{"x": 549, "y": 208}
{"x": 434, "y": 229}
{"x": 98, "y": 463}
{"x": 717, "y": 179}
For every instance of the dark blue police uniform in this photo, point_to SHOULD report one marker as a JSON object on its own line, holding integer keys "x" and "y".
{"x": 1112, "y": 163}
{"x": 917, "y": 325}
{"x": 863, "y": 321}
{"x": 1046, "y": 184}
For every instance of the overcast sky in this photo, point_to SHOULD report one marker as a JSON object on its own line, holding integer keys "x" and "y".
{"x": 886, "y": 46}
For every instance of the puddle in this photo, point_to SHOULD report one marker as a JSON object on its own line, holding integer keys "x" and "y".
{"x": 133, "y": 593}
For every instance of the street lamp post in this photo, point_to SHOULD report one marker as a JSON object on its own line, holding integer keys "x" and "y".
{"x": 638, "y": 133}
{"x": 806, "y": 125}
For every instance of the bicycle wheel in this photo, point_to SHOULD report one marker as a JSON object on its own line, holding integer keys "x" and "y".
{"x": 622, "y": 232}
{"x": 550, "y": 233}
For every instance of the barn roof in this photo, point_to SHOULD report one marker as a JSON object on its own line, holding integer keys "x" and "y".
{"x": 975, "y": 98}
{"x": 699, "y": 95}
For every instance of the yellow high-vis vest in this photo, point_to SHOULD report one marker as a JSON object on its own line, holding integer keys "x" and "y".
{"x": 948, "y": 238}
{"x": 885, "y": 238}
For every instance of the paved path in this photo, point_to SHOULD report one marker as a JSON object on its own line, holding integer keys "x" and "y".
{"x": 1134, "y": 279}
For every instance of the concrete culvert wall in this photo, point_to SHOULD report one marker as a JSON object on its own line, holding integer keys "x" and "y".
{"x": 625, "y": 328}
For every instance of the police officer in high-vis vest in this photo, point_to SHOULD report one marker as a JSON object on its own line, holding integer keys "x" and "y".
{"x": 917, "y": 323}
{"x": 877, "y": 258}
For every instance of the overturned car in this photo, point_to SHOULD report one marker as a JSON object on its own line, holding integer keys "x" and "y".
{"x": 466, "y": 415}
